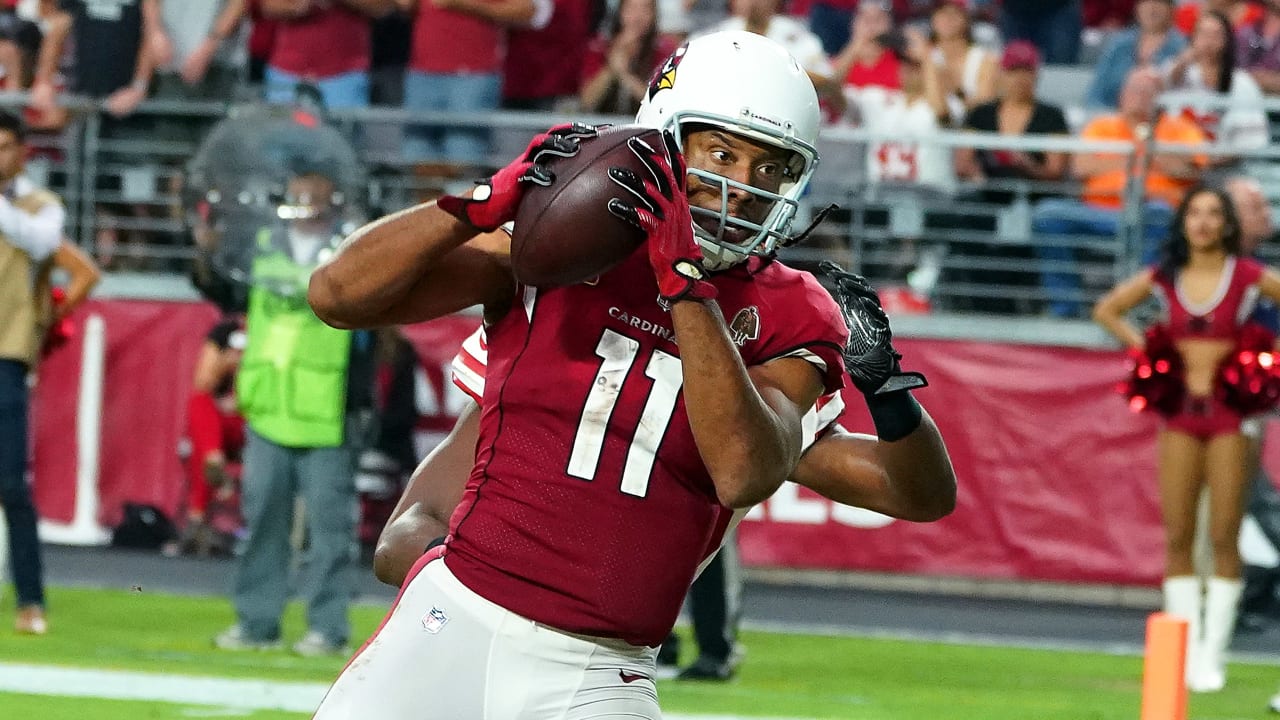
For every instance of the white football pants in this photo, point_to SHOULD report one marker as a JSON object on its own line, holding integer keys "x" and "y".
{"x": 445, "y": 653}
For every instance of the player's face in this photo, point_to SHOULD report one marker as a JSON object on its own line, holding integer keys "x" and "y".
{"x": 1205, "y": 222}
{"x": 741, "y": 160}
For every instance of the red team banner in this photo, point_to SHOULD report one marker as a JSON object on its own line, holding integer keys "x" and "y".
{"x": 1057, "y": 477}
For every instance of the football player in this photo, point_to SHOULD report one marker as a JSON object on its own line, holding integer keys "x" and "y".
{"x": 909, "y": 479}
{"x": 610, "y": 461}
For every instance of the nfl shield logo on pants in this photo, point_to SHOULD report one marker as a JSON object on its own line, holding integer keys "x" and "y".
{"x": 434, "y": 621}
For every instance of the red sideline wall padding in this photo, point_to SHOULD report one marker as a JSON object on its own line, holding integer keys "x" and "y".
{"x": 1056, "y": 476}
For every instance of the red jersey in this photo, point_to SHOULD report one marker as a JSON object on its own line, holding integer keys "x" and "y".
{"x": 326, "y": 43}
{"x": 882, "y": 73}
{"x": 545, "y": 63}
{"x": 589, "y": 509}
{"x": 1222, "y": 315}
{"x": 450, "y": 42}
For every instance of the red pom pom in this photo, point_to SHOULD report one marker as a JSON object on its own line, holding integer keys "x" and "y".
{"x": 62, "y": 330}
{"x": 1155, "y": 381}
{"x": 1248, "y": 379}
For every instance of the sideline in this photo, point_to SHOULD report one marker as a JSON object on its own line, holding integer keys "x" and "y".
{"x": 230, "y": 693}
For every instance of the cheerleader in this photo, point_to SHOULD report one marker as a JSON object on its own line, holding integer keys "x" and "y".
{"x": 1207, "y": 291}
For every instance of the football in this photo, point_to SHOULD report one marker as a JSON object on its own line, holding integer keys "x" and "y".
{"x": 564, "y": 233}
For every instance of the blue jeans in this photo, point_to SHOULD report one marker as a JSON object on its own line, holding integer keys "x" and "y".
{"x": 15, "y": 495}
{"x": 476, "y": 93}
{"x": 1056, "y": 31}
{"x": 1056, "y": 219}
{"x": 348, "y": 90}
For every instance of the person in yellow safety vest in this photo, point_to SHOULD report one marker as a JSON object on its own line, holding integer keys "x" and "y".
{"x": 305, "y": 390}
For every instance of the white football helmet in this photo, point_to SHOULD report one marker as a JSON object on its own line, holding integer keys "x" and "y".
{"x": 752, "y": 87}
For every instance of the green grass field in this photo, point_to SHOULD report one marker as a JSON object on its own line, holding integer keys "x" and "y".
{"x": 793, "y": 676}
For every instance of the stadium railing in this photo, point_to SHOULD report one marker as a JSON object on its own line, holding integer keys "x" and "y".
{"x": 963, "y": 248}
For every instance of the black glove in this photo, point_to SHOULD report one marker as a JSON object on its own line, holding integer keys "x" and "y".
{"x": 869, "y": 358}
{"x": 495, "y": 200}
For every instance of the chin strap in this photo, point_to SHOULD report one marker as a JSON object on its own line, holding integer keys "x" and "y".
{"x": 813, "y": 225}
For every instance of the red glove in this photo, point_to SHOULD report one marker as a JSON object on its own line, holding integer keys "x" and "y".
{"x": 494, "y": 200}
{"x": 660, "y": 208}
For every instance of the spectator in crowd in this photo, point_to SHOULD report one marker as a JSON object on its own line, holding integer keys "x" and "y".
{"x": 200, "y": 51}
{"x": 1016, "y": 114}
{"x": 1263, "y": 500}
{"x": 305, "y": 391}
{"x": 832, "y": 21}
{"x": 1054, "y": 26}
{"x": 31, "y": 220}
{"x": 902, "y": 120}
{"x": 1258, "y": 49}
{"x": 19, "y": 47}
{"x": 215, "y": 431}
{"x": 903, "y": 167}
{"x": 619, "y": 64}
{"x": 1239, "y": 12}
{"x": 112, "y": 61}
{"x": 113, "y": 47}
{"x": 455, "y": 65}
{"x": 20, "y": 51}
{"x": 543, "y": 65}
{"x": 1150, "y": 41}
{"x": 762, "y": 17}
{"x": 1206, "y": 72}
{"x": 1207, "y": 289}
{"x": 325, "y": 43}
{"x": 1105, "y": 176}
{"x": 968, "y": 71}
{"x": 865, "y": 61}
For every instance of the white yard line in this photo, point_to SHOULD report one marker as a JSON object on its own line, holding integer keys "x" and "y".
{"x": 238, "y": 694}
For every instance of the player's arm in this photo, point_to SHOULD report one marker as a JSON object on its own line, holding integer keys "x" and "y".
{"x": 911, "y": 479}
{"x": 439, "y": 257}
{"x": 905, "y": 470}
{"x": 434, "y": 490}
{"x": 746, "y": 422}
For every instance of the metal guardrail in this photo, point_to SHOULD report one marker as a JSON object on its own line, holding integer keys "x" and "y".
{"x": 968, "y": 247}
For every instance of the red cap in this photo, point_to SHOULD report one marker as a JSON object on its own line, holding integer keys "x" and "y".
{"x": 961, "y": 5}
{"x": 1020, "y": 55}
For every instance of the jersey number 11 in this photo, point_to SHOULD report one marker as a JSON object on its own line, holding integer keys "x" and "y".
{"x": 617, "y": 353}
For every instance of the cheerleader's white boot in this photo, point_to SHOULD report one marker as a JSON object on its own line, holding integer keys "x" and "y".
{"x": 1184, "y": 597}
{"x": 1221, "y": 605}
